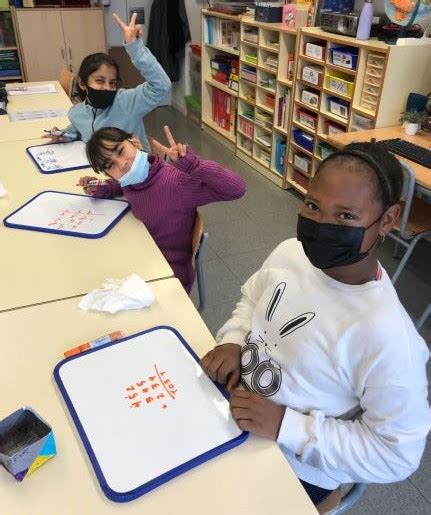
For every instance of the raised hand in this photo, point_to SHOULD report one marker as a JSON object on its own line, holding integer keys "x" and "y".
{"x": 132, "y": 31}
{"x": 173, "y": 151}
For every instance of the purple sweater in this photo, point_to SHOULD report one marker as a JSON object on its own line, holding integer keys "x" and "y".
{"x": 166, "y": 203}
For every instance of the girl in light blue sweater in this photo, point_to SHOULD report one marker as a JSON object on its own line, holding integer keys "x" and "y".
{"x": 105, "y": 105}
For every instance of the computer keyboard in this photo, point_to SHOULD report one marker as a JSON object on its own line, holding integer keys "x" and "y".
{"x": 409, "y": 150}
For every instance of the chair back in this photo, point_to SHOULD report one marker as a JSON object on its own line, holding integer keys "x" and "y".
{"x": 198, "y": 232}
{"x": 409, "y": 193}
{"x": 66, "y": 81}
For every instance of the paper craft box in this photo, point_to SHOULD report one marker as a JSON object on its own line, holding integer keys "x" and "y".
{"x": 26, "y": 443}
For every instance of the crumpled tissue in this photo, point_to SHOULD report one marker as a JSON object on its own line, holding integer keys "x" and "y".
{"x": 119, "y": 295}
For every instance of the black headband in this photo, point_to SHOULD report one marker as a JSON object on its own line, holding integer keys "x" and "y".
{"x": 386, "y": 185}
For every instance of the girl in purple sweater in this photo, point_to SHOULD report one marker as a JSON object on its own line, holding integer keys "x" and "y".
{"x": 163, "y": 195}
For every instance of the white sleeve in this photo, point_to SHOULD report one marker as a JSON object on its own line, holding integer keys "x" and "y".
{"x": 384, "y": 445}
{"x": 237, "y": 327}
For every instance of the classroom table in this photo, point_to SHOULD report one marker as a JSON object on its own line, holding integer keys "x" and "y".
{"x": 253, "y": 478}
{"x": 423, "y": 174}
{"x": 39, "y": 267}
{"x": 15, "y": 131}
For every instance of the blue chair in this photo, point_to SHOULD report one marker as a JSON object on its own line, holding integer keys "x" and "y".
{"x": 199, "y": 246}
{"x": 416, "y": 102}
{"x": 337, "y": 503}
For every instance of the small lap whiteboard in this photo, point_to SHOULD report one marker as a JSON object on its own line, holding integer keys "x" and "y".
{"x": 59, "y": 157}
{"x": 68, "y": 214}
{"x": 145, "y": 411}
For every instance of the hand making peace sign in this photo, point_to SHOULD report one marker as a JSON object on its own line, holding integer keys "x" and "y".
{"x": 174, "y": 151}
{"x": 132, "y": 31}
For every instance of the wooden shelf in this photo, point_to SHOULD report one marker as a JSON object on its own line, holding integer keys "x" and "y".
{"x": 11, "y": 77}
{"x": 272, "y": 71}
{"x": 281, "y": 130}
{"x": 248, "y": 63}
{"x": 247, "y": 101}
{"x": 272, "y": 49}
{"x": 320, "y": 135}
{"x": 296, "y": 186}
{"x": 216, "y": 14}
{"x": 285, "y": 82}
{"x": 245, "y": 135}
{"x": 227, "y": 49}
{"x": 317, "y": 157}
{"x": 308, "y": 84}
{"x": 306, "y": 106}
{"x": 262, "y": 145}
{"x": 334, "y": 117}
{"x": 249, "y": 43}
{"x": 212, "y": 125}
{"x": 253, "y": 84}
{"x": 307, "y": 175}
{"x": 304, "y": 127}
{"x": 269, "y": 131}
{"x": 301, "y": 149}
{"x": 336, "y": 94}
{"x": 268, "y": 90}
{"x": 364, "y": 112}
{"x": 246, "y": 118}
{"x": 265, "y": 108}
{"x": 261, "y": 161}
{"x": 222, "y": 87}
{"x": 7, "y": 48}
{"x": 248, "y": 152}
{"x": 341, "y": 69}
{"x": 313, "y": 60}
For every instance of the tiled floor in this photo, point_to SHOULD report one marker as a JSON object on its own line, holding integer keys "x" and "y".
{"x": 244, "y": 232}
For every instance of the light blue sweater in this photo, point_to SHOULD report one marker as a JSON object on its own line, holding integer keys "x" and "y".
{"x": 130, "y": 105}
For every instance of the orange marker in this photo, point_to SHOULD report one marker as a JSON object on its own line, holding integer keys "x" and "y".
{"x": 108, "y": 338}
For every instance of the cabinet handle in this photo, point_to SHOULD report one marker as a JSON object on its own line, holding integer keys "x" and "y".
{"x": 62, "y": 53}
{"x": 70, "y": 54}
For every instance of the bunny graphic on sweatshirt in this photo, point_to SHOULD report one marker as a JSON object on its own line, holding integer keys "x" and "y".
{"x": 259, "y": 371}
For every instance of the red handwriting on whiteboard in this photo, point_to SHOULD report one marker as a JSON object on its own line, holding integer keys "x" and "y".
{"x": 153, "y": 390}
{"x": 68, "y": 219}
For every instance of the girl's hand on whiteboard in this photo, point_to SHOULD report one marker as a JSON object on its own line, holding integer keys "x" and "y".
{"x": 88, "y": 190}
{"x": 54, "y": 139}
{"x": 256, "y": 413}
{"x": 132, "y": 31}
{"x": 222, "y": 364}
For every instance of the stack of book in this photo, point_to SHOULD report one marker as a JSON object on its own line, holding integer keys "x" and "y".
{"x": 220, "y": 32}
{"x": 281, "y": 115}
{"x": 224, "y": 69}
{"x": 223, "y": 109}
{"x": 271, "y": 62}
{"x": 264, "y": 120}
{"x": 280, "y": 153}
{"x": 9, "y": 63}
{"x": 246, "y": 127}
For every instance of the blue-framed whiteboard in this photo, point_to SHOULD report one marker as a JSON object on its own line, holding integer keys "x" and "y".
{"x": 59, "y": 157}
{"x": 145, "y": 411}
{"x": 69, "y": 214}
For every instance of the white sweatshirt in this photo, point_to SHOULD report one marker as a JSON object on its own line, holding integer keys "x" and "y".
{"x": 347, "y": 363}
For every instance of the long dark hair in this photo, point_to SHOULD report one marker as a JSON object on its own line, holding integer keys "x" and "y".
{"x": 92, "y": 63}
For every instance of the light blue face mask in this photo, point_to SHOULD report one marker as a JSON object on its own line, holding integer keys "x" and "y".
{"x": 138, "y": 171}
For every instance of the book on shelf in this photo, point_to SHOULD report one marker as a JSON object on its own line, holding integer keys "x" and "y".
{"x": 246, "y": 127}
{"x": 290, "y": 65}
{"x": 264, "y": 140}
{"x": 280, "y": 153}
{"x": 220, "y": 32}
{"x": 7, "y": 37}
{"x": 282, "y": 109}
{"x": 224, "y": 69}
{"x": 223, "y": 109}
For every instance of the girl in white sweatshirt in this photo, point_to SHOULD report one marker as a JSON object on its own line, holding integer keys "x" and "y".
{"x": 332, "y": 365}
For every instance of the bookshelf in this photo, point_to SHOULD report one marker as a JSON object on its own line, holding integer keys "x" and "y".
{"x": 280, "y": 108}
{"x": 10, "y": 57}
{"x": 365, "y": 85}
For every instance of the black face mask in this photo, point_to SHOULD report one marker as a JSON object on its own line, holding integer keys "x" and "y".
{"x": 330, "y": 245}
{"x": 101, "y": 98}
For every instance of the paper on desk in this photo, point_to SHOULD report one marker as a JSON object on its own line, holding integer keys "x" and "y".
{"x": 119, "y": 295}
{"x": 3, "y": 192}
{"x": 31, "y": 90}
{"x": 37, "y": 114}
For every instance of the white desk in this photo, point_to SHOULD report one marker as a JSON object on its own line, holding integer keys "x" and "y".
{"x": 15, "y": 131}
{"x": 252, "y": 479}
{"x": 38, "y": 267}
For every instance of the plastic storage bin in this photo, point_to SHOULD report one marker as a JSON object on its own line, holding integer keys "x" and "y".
{"x": 310, "y": 98}
{"x": 324, "y": 150}
{"x": 313, "y": 75}
{"x": 316, "y": 50}
{"x": 345, "y": 57}
{"x": 302, "y": 162}
{"x": 301, "y": 179}
{"x": 306, "y": 118}
{"x": 339, "y": 84}
{"x": 338, "y": 107}
{"x": 303, "y": 139}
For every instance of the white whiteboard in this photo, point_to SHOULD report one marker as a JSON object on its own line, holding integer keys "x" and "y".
{"x": 59, "y": 157}
{"x": 68, "y": 214}
{"x": 135, "y": 444}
